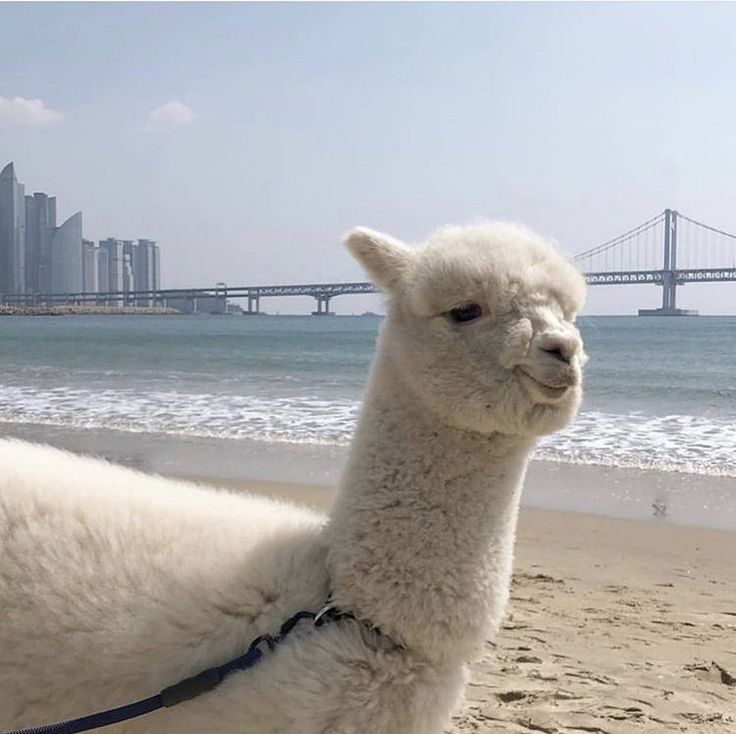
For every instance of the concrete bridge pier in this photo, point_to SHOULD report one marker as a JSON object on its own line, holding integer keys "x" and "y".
{"x": 189, "y": 303}
{"x": 254, "y": 305}
{"x": 323, "y": 305}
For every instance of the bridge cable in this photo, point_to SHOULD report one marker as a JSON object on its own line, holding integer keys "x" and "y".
{"x": 653, "y": 222}
{"x": 706, "y": 226}
{"x": 607, "y": 246}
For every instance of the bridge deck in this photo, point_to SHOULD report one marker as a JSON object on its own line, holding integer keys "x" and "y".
{"x": 330, "y": 290}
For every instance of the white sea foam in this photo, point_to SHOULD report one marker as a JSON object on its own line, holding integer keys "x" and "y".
{"x": 680, "y": 443}
{"x": 307, "y": 419}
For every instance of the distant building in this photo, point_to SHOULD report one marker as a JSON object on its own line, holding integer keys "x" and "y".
{"x": 115, "y": 266}
{"x": 40, "y": 228}
{"x": 38, "y": 258}
{"x": 12, "y": 233}
{"x": 89, "y": 267}
{"x": 156, "y": 268}
{"x": 129, "y": 251}
{"x": 103, "y": 270}
{"x": 147, "y": 270}
{"x": 66, "y": 256}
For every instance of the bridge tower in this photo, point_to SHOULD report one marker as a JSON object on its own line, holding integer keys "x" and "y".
{"x": 669, "y": 272}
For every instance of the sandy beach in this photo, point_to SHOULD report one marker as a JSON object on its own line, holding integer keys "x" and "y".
{"x": 615, "y": 626}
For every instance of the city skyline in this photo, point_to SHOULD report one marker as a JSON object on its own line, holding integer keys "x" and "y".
{"x": 39, "y": 259}
{"x": 72, "y": 264}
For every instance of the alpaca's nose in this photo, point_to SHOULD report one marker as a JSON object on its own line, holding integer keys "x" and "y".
{"x": 559, "y": 345}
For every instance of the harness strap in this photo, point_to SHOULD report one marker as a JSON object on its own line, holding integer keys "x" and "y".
{"x": 189, "y": 687}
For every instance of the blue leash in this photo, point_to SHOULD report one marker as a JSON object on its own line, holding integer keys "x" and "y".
{"x": 189, "y": 687}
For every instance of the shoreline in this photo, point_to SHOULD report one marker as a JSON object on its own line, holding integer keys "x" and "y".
{"x": 663, "y": 498}
{"x": 80, "y": 310}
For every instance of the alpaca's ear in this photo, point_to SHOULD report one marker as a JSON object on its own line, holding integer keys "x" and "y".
{"x": 384, "y": 258}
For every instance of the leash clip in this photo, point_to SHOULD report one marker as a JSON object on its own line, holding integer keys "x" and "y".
{"x": 324, "y": 614}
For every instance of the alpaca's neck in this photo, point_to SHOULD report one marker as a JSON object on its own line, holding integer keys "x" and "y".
{"x": 422, "y": 532}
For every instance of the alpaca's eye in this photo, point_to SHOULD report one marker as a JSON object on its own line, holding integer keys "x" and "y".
{"x": 468, "y": 312}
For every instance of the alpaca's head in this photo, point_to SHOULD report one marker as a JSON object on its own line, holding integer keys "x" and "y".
{"x": 481, "y": 325}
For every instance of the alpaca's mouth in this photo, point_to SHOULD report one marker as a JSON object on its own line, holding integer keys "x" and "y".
{"x": 550, "y": 392}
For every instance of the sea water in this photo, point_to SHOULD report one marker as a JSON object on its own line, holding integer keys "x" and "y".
{"x": 660, "y": 393}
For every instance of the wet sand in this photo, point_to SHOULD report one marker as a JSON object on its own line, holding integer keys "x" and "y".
{"x": 615, "y": 626}
{"x": 634, "y": 493}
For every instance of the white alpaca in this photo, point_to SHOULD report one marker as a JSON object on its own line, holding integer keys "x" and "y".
{"x": 114, "y": 585}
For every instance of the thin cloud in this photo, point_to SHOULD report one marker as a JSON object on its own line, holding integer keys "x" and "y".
{"x": 171, "y": 114}
{"x": 24, "y": 112}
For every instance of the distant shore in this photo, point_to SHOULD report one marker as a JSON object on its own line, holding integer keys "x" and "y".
{"x": 72, "y": 310}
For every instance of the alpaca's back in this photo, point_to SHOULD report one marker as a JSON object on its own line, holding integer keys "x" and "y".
{"x": 114, "y": 584}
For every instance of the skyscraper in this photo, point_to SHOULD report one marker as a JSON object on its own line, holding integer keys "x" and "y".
{"x": 156, "y": 268}
{"x": 12, "y": 233}
{"x": 89, "y": 267}
{"x": 40, "y": 226}
{"x": 103, "y": 270}
{"x": 66, "y": 256}
{"x": 147, "y": 266}
{"x": 114, "y": 249}
{"x": 129, "y": 257}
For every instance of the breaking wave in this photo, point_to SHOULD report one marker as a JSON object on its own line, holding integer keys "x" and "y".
{"x": 681, "y": 443}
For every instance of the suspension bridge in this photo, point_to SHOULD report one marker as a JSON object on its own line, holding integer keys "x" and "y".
{"x": 668, "y": 250}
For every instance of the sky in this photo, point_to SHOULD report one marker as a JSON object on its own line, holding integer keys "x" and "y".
{"x": 247, "y": 138}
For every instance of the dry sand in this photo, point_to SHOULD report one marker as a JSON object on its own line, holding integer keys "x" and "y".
{"x": 614, "y": 626}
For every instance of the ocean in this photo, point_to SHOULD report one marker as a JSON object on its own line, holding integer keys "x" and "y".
{"x": 660, "y": 393}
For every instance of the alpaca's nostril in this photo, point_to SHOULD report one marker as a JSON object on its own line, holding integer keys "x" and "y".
{"x": 557, "y": 353}
{"x": 563, "y": 347}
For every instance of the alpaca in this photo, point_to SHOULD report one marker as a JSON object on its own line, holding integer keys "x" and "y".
{"x": 114, "y": 584}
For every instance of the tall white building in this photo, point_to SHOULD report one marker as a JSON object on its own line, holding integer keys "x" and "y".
{"x": 103, "y": 271}
{"x": 89, "y": 267}
{"x": 129, "y": 251}
{"x": 12, "y": 233}
{"x": 40, "y": 228}
{"x": 115, "y": 266}
{"x": 66, "y": 256}
{"x": 147, "y": 266}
